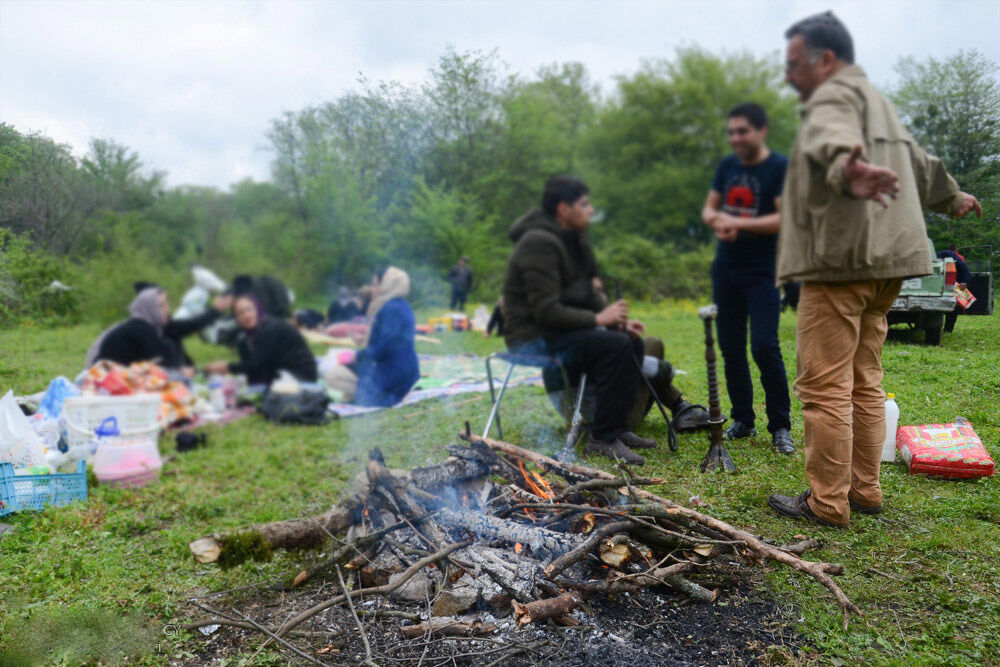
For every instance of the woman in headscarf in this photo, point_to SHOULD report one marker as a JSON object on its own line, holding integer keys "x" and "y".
{"x": 141, "y": 337}
{"x": 387, "y": 368}
{"x": 270, "y": 345}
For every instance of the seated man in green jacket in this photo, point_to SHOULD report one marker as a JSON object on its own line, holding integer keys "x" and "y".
{"x": 552, "y": 306}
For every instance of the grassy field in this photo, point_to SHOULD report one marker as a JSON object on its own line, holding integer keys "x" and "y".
{"x": 87, "y": 582}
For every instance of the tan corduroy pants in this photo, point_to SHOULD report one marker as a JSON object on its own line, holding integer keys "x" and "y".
{"x": 841, "y": 329}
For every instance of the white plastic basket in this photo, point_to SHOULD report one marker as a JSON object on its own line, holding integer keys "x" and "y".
{"x": 137, "y": 415}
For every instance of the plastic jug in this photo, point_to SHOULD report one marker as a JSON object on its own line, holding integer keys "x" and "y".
{"x": 891, "y": 424}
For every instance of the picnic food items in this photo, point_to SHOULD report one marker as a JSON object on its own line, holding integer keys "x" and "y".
{"x": 946, "y": 450}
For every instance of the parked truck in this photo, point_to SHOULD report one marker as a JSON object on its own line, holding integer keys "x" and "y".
{"x": 924, "y": 301}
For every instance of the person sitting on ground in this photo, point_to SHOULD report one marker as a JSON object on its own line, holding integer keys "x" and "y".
{"x": 269, "y": 346}
{"x": 308, "y": 318}
{"x": 177, "y": 329}
{"x": 141, "y": 337}
{"x": 553, "y": 306}
{"x": 273, "y": 297}
{"x": 387, "y": 368}
{"x": 344, "y": 309}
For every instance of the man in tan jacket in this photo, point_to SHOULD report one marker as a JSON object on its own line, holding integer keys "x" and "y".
{"x": 851, "y": 229}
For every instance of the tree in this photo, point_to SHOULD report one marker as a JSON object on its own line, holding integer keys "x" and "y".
{"x": 656, "y": 145}
{"x": 118, "y": 177}
{"x": 952, "y": 108}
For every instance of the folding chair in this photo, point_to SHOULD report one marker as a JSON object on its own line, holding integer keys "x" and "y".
{"x": 513, "y": 359}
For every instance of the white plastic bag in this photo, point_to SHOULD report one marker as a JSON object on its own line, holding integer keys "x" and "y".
{"x": 285, "y": 383}
{"x": 19, "y": 444}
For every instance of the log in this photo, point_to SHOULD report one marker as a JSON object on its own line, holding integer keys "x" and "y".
{"x": 816, "y": 570}
{"x": 443, "y": 628}
{"x": 567, "y": 560}
{"x": 540, "y": 610}
{"x": 259, "y": 541}
{"x": 493, "y": 528}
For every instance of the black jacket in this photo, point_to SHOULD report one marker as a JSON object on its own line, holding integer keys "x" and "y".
{"x": 549, "y": 282}
{"x": 136, "y": 340}
{"x": 275, "y": 345}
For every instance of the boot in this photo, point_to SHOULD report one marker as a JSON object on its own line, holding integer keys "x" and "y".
{"x": 612, "y": 450}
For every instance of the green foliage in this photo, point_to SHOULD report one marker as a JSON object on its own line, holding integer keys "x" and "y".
{"x": 658, "y": 141}
{"x": 648, "y": 270}
{"x": 952, "y": 108}
{"x": 26, "y": 277}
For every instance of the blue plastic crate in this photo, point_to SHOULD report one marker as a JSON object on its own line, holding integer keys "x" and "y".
{"x": 19, "y": 493}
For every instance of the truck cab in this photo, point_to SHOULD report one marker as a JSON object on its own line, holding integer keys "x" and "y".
{"x": 923, "y": 301}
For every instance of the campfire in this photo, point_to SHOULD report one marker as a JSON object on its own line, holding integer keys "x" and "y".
{"x": 501, "y": 532}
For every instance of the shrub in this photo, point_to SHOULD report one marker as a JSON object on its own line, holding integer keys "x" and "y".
{"x": 26, "y": 278}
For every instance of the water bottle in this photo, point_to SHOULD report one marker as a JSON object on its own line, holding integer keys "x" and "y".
{"x": 891, "y": 424}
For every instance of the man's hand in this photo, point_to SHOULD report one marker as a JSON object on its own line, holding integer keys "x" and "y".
{"x": 866, "y": 181}
{"x": 969, "y": 203}
{"x": 635, "y": 328}
{"x": 217, "y": 368}
{"x": 613, "y": 315}
{"x": 727, "y": 234}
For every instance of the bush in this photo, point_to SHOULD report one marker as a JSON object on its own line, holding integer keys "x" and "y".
{"x": 26, "y": 276}
{"x": 647, "y": 270}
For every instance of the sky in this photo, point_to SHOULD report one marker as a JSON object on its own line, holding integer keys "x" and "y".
{"x": 191, "y": 86}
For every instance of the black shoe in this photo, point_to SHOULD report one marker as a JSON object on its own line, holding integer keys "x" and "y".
{"x": 796, "y": 507}
{"x": 615, "y": 449}
{"x": 632, "y": 441}
{"x": 864, "y": 509}
{"x": 739, "y": 430}
{"x": 782, "y": 441}
{"x": 689, "y": 416}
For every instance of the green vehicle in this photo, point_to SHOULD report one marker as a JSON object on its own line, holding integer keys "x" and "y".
{"x": 924, "y": 301}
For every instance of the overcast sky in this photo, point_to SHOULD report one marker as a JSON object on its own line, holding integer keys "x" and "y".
{"x": 192, "y": 85}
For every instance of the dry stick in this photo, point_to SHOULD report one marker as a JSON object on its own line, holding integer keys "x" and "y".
{"x": 283, "y": 642}
{"x": 568, "y": 559}
{"x": 361, "y": 629}
{"x": 407, "y": 574}
{"x": 543, "y": 609}
{"x": 813, "y": 569}
{"x": 439, "y": 628}
{"x": 306, "y": 575}
{"x": 594, "y": 484}
{"x": 801, "y": 547}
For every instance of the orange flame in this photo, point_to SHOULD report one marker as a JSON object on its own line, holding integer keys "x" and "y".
{"x": 536, "y": 484}
{"x": 517, "y": 547}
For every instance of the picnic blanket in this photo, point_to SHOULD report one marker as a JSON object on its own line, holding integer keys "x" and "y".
{"x": 449, "y": 376}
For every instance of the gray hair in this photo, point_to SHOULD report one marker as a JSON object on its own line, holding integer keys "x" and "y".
{"x": 821, "y": 32}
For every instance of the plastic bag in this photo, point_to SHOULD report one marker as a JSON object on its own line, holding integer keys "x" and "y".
{"x": 59, "y": 390}
{"x": 285, "y": 384}
{"x": 19, "y": 444}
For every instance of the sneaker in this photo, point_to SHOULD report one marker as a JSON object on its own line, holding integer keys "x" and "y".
{"x": 689, "y": 416}
{"x": 613, "y": 450}
{"x": 782, "y": 441}
{"x": 864, "y": 509}
{"x": 739, "y": 430}
{"x": 796, "y": 507}
{"x": 632, "y": 441}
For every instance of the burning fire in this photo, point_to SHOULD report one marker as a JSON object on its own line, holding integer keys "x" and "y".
{"x": 536, "y": 483}
{"x": 517, "y": 547}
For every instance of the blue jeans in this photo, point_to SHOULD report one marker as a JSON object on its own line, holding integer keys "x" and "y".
{"x": 745, "y": 292}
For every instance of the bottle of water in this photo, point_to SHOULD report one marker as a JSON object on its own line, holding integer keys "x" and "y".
{"x": 891, "y": 424}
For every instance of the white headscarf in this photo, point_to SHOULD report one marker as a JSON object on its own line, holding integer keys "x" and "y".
{"x": 395, "y": 283}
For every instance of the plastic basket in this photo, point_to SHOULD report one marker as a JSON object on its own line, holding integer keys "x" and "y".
{"x": 137, "y": 416}
{"x": 19, "y": 493}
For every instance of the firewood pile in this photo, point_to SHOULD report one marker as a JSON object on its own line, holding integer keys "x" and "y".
{"x": 497, "y": 531}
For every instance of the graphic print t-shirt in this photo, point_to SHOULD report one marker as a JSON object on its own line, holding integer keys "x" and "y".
{"x": 749, "y": 192}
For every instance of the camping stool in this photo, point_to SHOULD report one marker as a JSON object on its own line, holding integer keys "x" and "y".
{"x": 537, "y": 361}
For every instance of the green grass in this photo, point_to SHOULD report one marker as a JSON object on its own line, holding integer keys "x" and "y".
{"x": 937, "y": 546}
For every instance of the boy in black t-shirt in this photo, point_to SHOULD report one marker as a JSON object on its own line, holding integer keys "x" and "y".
{"x": 742, "y": 209}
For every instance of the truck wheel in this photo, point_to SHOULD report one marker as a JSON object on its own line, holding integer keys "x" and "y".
{"x": 934, "y": 325}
